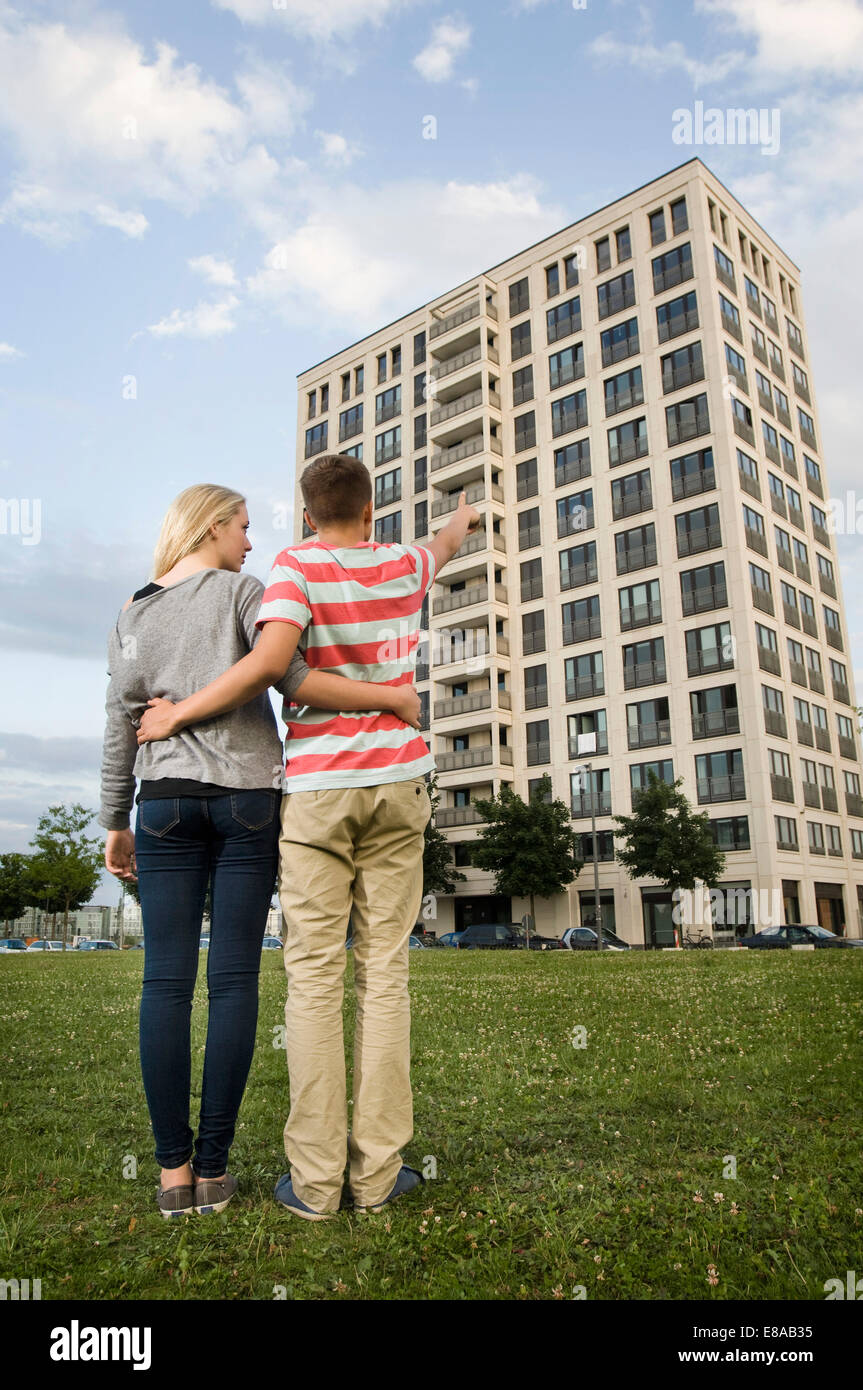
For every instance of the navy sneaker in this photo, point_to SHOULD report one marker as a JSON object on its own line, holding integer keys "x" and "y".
{"x": 285, "y": 1194}
{"x": 407, "y": 1180}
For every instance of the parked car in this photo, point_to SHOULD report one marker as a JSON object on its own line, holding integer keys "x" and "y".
{"x": 98, "y": 945}
{"x": 788, "y": 935}
{"x": 545, "y": 943}
{"x": 450, "y": 938}
{"x": 12, "y": 943}
{"x": 584, "y": 938}
{"x": 204, "y": 944}
{"x": 492, "y": 936}
{"x": 45, "y": 946}
{"x": 416, "y": 945}
{"x": 272, "y": 943}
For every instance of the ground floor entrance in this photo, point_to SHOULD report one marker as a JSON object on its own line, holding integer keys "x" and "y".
{"x": 470, "y": 912}
{"x": 830, "y": 907}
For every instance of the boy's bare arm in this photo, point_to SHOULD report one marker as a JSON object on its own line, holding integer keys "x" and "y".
{"x": 449, "y": 539}
{"x": 266, "y": 662}
{"x": 326, "y": 691}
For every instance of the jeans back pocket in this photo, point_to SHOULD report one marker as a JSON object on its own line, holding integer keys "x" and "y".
{"x": 159, "y": 816}
{"x": 254, "y": 809}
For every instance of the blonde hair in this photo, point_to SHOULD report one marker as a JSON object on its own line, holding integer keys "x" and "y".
{"x": 188, "y": 521}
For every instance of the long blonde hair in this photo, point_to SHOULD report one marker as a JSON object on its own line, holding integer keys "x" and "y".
{"x": 188, "y": 521}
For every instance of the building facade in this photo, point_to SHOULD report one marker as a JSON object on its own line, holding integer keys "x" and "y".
{"x": 629, "y": 403}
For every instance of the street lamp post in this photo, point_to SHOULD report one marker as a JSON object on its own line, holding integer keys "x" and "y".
{"x": 586, "y": 743}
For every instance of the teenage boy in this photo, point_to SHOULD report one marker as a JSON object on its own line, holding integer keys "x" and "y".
{"x": 352, "y": 831}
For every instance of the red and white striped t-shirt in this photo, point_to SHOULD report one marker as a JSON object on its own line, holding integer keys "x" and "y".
{"x": 359, "y": 607}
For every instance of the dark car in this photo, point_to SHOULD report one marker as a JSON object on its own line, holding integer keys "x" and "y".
{"x": 491, "y": 936}
{"x": 584, "y": 939}
{"x": 788, "y": 935}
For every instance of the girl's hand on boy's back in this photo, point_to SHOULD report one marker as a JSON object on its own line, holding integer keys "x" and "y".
{"x": 158, "y": 721}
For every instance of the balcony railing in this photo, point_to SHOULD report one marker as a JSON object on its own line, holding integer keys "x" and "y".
{"x": 582, "y": 629}
{"x": 631, "y": 503}
{"x": 590, "y": 803}
{"x": 467, "y": 757}
{"x": 462, "y": 598}
{"x": 762, "y": 599}
{"x": 462, "y": 704}
{"x": 572, "y": 472}
{"x": 749, "y": 484}
{"x": 681, "y": 430}
{"x": 730, "y": 787}
{"x": 847, "y": 748}
{"x": 834, "y": 638}
{"x": 455, "y": 319}
{"x": 601, "y": 745}
{"x": 650, "y": 734}
{"x": 474, "y": 492}
{"x": 822, "y": 739}
{"x": 698, "y": 538}
{"x": 448, "y": 365}
{"x": 853, "y": 804}
{"x": 811, "y": 795}
{"x": 643, "y": 673}
{"x": 804, "y": 733}
{"x": 457, "y": 452}
{"x": 583, "y": 687}
{"x": 716, "y": 722}
{"x": 769, "y": 660}
{"x": 782, "y": 788}
{"x": 580, "y": 520}
{"x": 703, "y": 598}
{"x": 841, "y": 691}
{"x": 692, "y": 483}
{"x": 531, "y": 588}
{"x": 575, "y": 576}
{"x": 457, "y": 815}
{"x": 703, "y": 663}
{"x": 731, "y": 326}
{"x": 461, "y": 405}
{"x": 640, "y": 615}
{"x": 676, "y": 325}
{"x": 636, "y": 557}
{"x": 775, "y": 723}
{"x": 756, "y": 541}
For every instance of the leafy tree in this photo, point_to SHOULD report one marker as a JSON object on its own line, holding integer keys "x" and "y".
{"x": 66, "y": 864}
{"x": 439, "y": 876}
{"x": 664, "y": 839}
{"x": 530, "y": 847}
{"x": 14, "y": 897}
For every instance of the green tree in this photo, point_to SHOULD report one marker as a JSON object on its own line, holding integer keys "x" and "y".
{"x": 14, "y": 896}
{"x": 66, "y": 863}
{"x": 530, "y": 847}
{"x": 439, "y": 876}
{"x": 664, "y": 839}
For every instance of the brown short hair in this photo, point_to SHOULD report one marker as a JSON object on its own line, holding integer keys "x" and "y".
{"x": 336, "y": 489}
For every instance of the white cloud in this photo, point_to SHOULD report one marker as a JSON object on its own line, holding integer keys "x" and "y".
{"x": 8, "y": 352}
{"x": 95, "y": 127}
{"x": 797, "y": 37}
{"x": 213, "y": 270}
{"x": 336, "y": 149}
{"x": 337, "y": 266}
{"x": 450, "y": 38}
{"x": 316, "y": 19}
{"x": 656, "y": 59}
{"x": 206, "y": 320}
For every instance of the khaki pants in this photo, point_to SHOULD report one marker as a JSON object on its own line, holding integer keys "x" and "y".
{"x": 354, "y": 851}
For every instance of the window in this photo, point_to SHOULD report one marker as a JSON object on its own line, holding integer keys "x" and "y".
{"x": 581, "y": 619}
{"x": 522, "y": 385}
{"x": 644, "y": 663}
{"x": 311, "y": 406}
{"x": 603, "y": 254}
{"x": 730, "y": 833}
{"x": 584, "y": 676}
{"x": 535, "y": 687}
{"x": 351, "y": 422}
{"x": 388, "y": 404}
{"x": 570, "y": 267}
{"x": 520, "y": 340}
{"x": 563, "y": 319}
{"x": 316, "y": 439}
{"x": 578, "y": 565}
{"x": 354, "y": 452}
{"x": 396, "y": 356}
{"x": 639, "y": 776}
{"x": 525, "y": 431}
{"x": 519, "y": 297}
{"x": 325, "y": 399}
{"x": 533, "y": 632}
{"x": 589, "y": 722}
{"x": 420, "y": 438}
{"x": 572, "y": 462}
{"x": 631, "y": 493}
{"x": 526, "y": 482}
{"x": 703, "y": 588}
{"x": 724, "y": 268}
{"x": 388, "y": 488}
{"x": 677, "y": 316}
{"x": 623, "y": 244}
{"x": 682, "y": 367}
{"x": 619, "y": 342}
{"x": 388, "y": 445}
{"x": 565, "y": 366}
{"x": 616, "y": 294}
{"x": 575, "y": 512}
{"x": 719, "y": 776}
{"x": 672, "y": 268}
{"x": 640, "y": 605}
{"x": 538, "y": 743}
{"x": 647, "y": 723}
{"x": 388, "y": 529}
{"x": 635, "y": 549}
{"x": 359, "y": 380}
{"x": 627, "y": 442}
{"x": 687, "y": 419}
{"x": 679, "y": 217}
{"x": 709, "y": 649}
{"x": 420, "y": 388}
{"x": 528, "y": 528}
{"x": 419, "y": 348}
{"x": 531, "y": 579}
{"x": 786, "y": 833}
{"x": 569, "y": 413}
{"x": 552, "y": 280}
{"x": 382, "y": 367}
{"x": 730, "y": 317}
{"x": 420, "y": 474}
{"x": 656, "y": 222}
{"x": 623, "y": 391}
{"x": 698, "y": 530}
{"x": 346, "y": 386}
{"x": 421, "y": 519}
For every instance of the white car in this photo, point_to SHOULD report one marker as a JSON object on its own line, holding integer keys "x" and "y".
{"x": 45, "y": 946}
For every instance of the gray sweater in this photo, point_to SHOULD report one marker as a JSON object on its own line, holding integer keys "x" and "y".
{"x": 170, "y": 644}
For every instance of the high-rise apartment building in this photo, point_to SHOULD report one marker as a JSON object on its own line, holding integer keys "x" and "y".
{"x": 629, "y": 404}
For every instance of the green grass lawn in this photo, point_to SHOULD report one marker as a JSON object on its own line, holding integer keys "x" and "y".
{"x": 604, "y": 1166}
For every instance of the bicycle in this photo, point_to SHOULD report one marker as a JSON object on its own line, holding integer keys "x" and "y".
{"x": 698, "y": 940}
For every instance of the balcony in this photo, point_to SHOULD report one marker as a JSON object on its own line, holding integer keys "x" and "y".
{"x": 795, "y": 516}
{"x": 533, "y": 642}
{"x": 811, "y": 795}
{"x": 797, "y": 672}
{"x": 775, "y": 723}
{"x": 448, "y": 365}
{"x": 679, "y": 431}
{"x": 678, "y": 324}
{"x": 770, "y": 319}
{"x": 465, "y": 758}
{"x": 635, "y": 448}
{"x": 749, "y": 484}
{"x": 456, "y": 319}
{"x": 584, "y": 687}
{"x": 802, "y": 570}
{"x": 760, "y": 352}
{"x": 624, "y": 400}
{"x": 631, "y": 503}
{"x": 531, "y": 588}
{"x": 822, "y": 739}
{"x": 697, "y": 539}
{"x": 769, "y": 660}
{"x": 601, "y": 745}
{"x": 674, "y": 274}
{"x": 572, "y": 472}
{"x": 470, "y": 401}
{"x": 781, "y": 788}
{"x": 765, "y": 401}
{"x": 636, "y": 557}
{"x": 582, "y": 630}
{"x": 590, "y": 804}
{"x": 649, "y": 735}
{"x": 576, "y": 576}
{"x": 726, "y": 788}
{"x": 640, "y": 615}
{"x": 463, "y": 704}
{"x": 790, "y": 466}
{"x": 640, "y": 673}
{"x": 791, "y": 613}
{"x": 731, "y": 326}
{"x": 466, "y": 450}
{"x": 814, "y": 485}
{"x": 705, "y": 597}
{"x": 569, "y": 420}
{"x": 772, "y": 452}
{"x": 716, "y": 722}
{"x": 829, "y": 799}
{"x": 462, "y": 598}
{"x": 827, "y": 585}
{"x": 538, "y": 753}
{"x": 808, "y": 437}
{"x": 726, "y": 277}
{"x": 816, "y": 681}
{"x": 821, "y": 534}
{"x": 841, "y": 691}
{"x": 708, "y": 660}
{"x": 457, "y": 815}
{"x": 480, "y": 540}
{"x": 536, "y": 697}
{"x": 693, "y": 483}
{"x": 762, "y": 599}
{"x": 675, "y": 378}
{"x": 804, "y": 733}
{"x": 756, "y": 540}
{"x": 474, "y": 493}
{"x": 847, "y": 748}
{"x": 853, "y": 804}
{"x": 618, "y": 352}
{"x": 834, "y": 638}
{"x": 810, "y": 625}
{"x": 744, "y": 430}
{"x": 581, "y": 519}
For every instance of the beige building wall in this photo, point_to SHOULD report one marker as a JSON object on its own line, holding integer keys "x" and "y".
{"x": 479, "y": 650}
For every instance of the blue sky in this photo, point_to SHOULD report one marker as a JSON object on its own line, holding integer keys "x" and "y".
{"x": 153, "y": 158}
